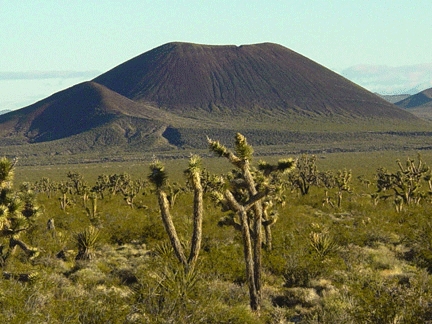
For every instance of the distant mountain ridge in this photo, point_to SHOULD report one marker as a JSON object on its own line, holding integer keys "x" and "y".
{"x": 417, "y": 100}
{"x": 419, "y": 104}
{"x": 174, "y": 95}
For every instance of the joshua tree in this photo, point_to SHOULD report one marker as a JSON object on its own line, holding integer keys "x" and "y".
{"x": 45, "y": 185}
{"x": 102, "y": 184}
{"x": 406, "y": 182}
{"x": 131, "y": 190}
{"x": 305, "y": 175}
{"x": 173, "y": 191}
{"x": 77, "y": 182}
{"x": 341, "y": 181}
{"x": 65, "y": 189}
{"x": 244, "y": 198}
{"x": 118, "y": 183}
{"x": 17, "y": 214}
{"x": 159, "y": 178}
{"x": 272, "y": 176}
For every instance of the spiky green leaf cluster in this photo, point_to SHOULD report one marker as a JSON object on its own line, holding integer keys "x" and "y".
{"x": 193, "y": 172}
{"x": 322, "y": 241}
{"x": 283, "y": 165}
{"x": 19, "y": 223}
{"x": 6, "y": 172}
{"x": 265, "y": 167}
{"x": 87, "y": 238}
{"x": 217, "y": 197}
{"x": 195, "y": 164}
{"x": 217, "y": 148}
{"x": 15, "y": 205}
{"x": 158, "y": 175}
{"x": 286, "y": 165}
{"x": 242, "y": 148}
{"x": 4, "y": 211}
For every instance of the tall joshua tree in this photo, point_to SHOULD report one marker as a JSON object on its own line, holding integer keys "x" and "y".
{"x": 245, "y": 198}
{"x": 17, "y": 213}
{"x": 158, "y": 177}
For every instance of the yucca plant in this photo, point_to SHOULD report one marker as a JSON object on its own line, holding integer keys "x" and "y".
{"x": 178, "y": 282}
{"x": 86, "y": 241}
{"x": 163, "y": 249}
{"x": 321, "y": 241}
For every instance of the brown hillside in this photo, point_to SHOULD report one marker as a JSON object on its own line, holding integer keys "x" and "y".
{"x": 182, "y": 77}
{"x": 415, "y": 101}
{"x": 76, "y": 110}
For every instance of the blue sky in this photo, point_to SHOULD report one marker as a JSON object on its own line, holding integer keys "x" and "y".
{"x": 49, "y": 45}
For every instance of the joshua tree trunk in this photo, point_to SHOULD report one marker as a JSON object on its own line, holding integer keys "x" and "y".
{"x": 257, "y": 236}
{"x": 248, "y": 249}
{"x": 197, "y": 220}
{"x": 267, "y": 222}
{"x": 170, "y": 228}
{"x": 63, "y": 201}
{"x": 268, "y": 238}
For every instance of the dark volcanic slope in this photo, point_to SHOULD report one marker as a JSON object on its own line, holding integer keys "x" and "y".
{"x": 183, "y": 77}
{"x": 420, "y": 99}
{"x": 78, "y": 109}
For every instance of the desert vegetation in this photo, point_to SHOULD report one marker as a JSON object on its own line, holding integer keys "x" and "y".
{"x": 288, "y": 240}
